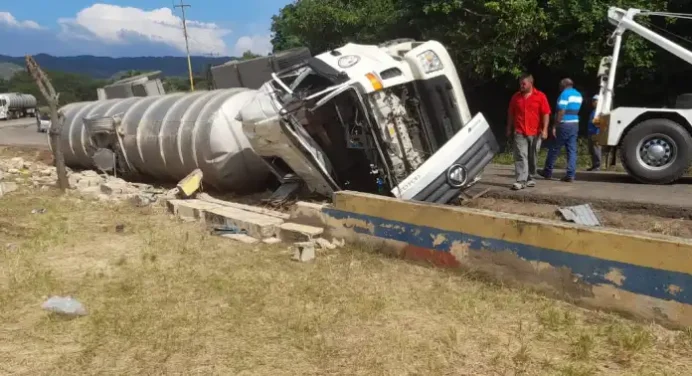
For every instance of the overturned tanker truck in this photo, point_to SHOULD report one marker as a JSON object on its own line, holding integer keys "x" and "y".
{"x": 389, "y": 119}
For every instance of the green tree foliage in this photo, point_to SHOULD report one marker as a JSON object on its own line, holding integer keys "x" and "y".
{"x": 492, "y": 42}
{"x": 488, "y": 39}
{"x": 249, "y": 55}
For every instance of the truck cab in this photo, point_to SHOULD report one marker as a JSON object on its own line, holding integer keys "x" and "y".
{"x": 389, "y": 119}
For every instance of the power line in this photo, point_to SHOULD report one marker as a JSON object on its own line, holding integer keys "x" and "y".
{"x": 182, "y": 7}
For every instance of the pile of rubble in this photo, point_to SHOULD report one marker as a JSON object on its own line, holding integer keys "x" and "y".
{"x": 240, "y": 222}
{"x": 17, "y": 171}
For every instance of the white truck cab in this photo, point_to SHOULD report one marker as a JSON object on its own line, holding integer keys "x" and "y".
{"x": 389, "y": 119}
{"x": 655, "y": 144}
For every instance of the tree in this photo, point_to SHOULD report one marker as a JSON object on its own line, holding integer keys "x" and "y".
{"x": 488, "y": 39}
{"x": 55, "y": 131}
{"x": 248, "y": 55}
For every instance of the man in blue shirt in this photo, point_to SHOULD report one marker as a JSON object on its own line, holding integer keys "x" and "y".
{"x": 565, "y": 131}
{"x": 594, "y": 147}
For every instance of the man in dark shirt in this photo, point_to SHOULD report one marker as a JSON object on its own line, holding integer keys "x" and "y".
{"x": 527, "y": 120}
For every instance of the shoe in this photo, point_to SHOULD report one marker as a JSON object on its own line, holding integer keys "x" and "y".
{"x": 594, "y": 169}
{"x": 517, "y": 186}
{"x": 543, "y": 175}
{"x": 531, "y": 183}
{"x": 567, "y": 179}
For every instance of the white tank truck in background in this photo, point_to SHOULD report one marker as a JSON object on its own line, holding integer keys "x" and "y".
{"x": 17, "y": 105}
{"x": 655, "y": 144}
{"x": 389, "y": 119}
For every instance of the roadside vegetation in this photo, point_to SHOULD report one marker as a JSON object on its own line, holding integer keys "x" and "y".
{"x": 583, "y": 157}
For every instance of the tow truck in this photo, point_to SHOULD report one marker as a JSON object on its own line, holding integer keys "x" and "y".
{"x": 389, "y": 119}
{"x": 655, "y": 144}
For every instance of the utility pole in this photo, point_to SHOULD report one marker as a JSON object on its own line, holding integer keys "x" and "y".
{"x": 182, "y": 7}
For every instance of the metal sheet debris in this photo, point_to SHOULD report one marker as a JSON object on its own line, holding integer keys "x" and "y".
{"x": 580, "y": 214}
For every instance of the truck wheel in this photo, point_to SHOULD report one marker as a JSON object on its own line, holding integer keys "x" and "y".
{"x": 656, "y": 151}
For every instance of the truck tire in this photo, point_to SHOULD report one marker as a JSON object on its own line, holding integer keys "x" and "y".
{"x": 656, "y": 151}
{"x": 684, "y": 101}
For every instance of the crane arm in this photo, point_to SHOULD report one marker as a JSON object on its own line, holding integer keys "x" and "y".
{"x": 624, "y": 20}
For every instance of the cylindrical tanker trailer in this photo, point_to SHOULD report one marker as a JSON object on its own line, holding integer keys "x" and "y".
{"x": 16, "y": 105}
{"x": 166, "y": 137}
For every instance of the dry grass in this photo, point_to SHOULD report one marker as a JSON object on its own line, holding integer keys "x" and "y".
{"x": 167, "y": 298}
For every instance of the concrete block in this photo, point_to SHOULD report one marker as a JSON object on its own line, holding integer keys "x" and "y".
{"x": 294, "y": 232}
{"x": 7, "y": 187}
{"x": 308, "y": 213}
{"x": 246, "y": 239}
{"x": 250, "y": 208}
{"x": 304, "y": 251}
{"x": 256, "y": 225}
{"x": 190, "y": 210}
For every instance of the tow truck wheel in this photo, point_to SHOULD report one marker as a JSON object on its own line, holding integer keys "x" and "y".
{"x": 657, "y": 151}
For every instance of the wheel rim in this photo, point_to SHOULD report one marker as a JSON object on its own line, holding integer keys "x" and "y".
{"x": 656, "y": 151}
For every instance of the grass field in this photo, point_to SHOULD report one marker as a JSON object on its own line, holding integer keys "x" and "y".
{"x": 168, "y": 298}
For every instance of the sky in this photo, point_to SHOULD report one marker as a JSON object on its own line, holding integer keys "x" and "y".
{"x": 120, "y": 28}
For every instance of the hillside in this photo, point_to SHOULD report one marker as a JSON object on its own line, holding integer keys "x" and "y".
{"x": 107, "y": 67}
{"x": 9, "y": 69}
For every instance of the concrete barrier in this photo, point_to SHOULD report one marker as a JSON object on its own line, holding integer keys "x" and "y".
{"x": 647, "y": 276}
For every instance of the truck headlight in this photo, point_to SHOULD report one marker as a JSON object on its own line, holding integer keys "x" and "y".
{"x": 430, "y": 61}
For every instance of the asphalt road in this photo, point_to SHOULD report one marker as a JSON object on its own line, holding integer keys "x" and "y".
{"x": 22, "y": 132}
{"x": 611, "y": 190}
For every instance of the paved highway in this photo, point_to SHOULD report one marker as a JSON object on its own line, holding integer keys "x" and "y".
{"x": 22, "y": 132}
{"x": 611, "y": 190}
{"x": 605, "y": 189}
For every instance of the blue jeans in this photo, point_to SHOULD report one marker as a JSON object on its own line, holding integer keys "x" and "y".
{"x": 566, "y": 135}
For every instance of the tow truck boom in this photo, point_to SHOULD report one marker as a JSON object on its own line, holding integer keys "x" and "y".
{"x": 655, "y": 143}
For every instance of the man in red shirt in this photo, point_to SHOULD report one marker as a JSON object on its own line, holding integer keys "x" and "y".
{"x": 527, "y": 120}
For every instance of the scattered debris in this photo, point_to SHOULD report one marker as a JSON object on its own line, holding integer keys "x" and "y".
{"x": 119, "y": 228}
{"x": 466, "y": 198}
{"x": 88, "y": 183}
{"x": 190, "y": 184}
{"x": 7, "y": 187}
{"x": 38, "y": 211}
{"x": 228, "y": 230}
{"x": 324, "y": 243}
{"x": 243, "y": 238}
{"x": 294, "y": 232}
{"x": 304, "y": 251}
{"x": 64, "y": 305}
{"x": 273, "y": 240}
{"x": 12, "y": 247}
{"x": 254, "y": 209}
{"x": 580, "y": 214}
{"x": 287, "y": 191}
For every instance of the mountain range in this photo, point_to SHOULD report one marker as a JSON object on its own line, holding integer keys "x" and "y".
{"x": 108, "y": 67}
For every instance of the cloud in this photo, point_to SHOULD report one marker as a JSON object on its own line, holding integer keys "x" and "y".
{"x": 121, "y": 26}
{"x": 259, "y": 44}
{"x": 8, "y": 19}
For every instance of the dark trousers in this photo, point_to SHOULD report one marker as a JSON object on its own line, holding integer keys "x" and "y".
{"x": 565, "y": 136}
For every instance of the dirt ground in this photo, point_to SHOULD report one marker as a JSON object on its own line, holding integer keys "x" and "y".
{"x": 165, "y": 297}
{"x": 608, "y": 218}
